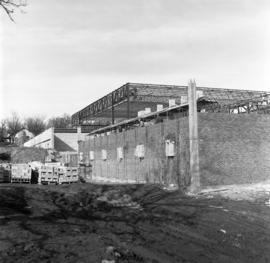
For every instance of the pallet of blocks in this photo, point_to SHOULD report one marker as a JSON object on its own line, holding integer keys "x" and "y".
{"x": 21, "y": 173}
{"x": 73, "y": 174}
{"x": 2, "y": 170}
{"x": 67, "y": 174}
{"x": 47, "y": 175}
{"x": 5, "y": 173}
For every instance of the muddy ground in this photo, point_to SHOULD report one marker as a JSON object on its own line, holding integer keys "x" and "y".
{"x": 135, "y": 223}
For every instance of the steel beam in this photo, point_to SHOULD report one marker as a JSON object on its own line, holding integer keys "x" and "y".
{"x": 103, "y": 104}
{"x": 128, "y": 103}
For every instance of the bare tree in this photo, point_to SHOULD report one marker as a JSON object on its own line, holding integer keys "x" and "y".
{"x": 3, "y": 130}
{"x": 36, "y": 125}
{"x": 14, "y": 125}
{"x": 63, "y": 121}
{"x": 9, "y": 6}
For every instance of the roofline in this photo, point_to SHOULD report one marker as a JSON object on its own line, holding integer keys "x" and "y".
{"x": 198, "y": 87}
{"x": 166, "y": 85}
{"x": 152, "y": 114}
{"x": 99, "y": 99}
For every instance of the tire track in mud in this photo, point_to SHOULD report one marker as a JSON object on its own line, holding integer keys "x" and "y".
{"x": 142, "y": 224}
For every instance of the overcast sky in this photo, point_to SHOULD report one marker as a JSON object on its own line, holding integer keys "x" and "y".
{"x": 62, "y": 55}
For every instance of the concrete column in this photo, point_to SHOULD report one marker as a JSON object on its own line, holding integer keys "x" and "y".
{"x": 79, "y": 136}
{"x": 193, "y": 138}
{"x": 52, "y": 138}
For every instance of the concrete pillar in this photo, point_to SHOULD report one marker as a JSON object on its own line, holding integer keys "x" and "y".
{"x": 79, "y": 136}
{"x": 79, "y": 130}
{"x": 52, "y": 138}
{"x": 193, "y": 138}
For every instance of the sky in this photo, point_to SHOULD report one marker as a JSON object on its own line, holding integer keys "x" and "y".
{"x": 60, "y": 56}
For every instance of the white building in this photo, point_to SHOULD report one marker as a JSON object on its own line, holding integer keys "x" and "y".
{"x": 59, "y": 139}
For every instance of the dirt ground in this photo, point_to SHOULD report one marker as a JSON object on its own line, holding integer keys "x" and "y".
{"x": 132, "y": 223}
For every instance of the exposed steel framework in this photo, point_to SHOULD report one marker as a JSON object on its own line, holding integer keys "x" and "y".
{"x": 259, "y": 104}
{"x": 125, "y": 102}
{"x": 105, "y": 103}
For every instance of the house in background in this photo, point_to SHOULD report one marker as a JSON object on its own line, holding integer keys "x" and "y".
{"x": 23, "y": 136}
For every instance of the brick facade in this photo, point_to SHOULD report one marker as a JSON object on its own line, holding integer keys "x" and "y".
{"x": 233, "y": 149}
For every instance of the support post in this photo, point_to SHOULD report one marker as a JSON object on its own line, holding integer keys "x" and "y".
{"x": 193, "y": 138}
{"x": 52, "y": 138}
{"x": 79, "y": 135}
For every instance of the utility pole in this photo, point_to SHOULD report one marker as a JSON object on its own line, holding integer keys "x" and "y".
{"x": 193, "y": 138}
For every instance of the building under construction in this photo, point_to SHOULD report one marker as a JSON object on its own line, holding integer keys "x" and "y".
{"x": 131, "y": 98}
{"x": 147, "y": 137}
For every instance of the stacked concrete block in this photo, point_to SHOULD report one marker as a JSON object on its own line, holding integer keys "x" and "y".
{"x": 47, "y": 175}
{"x": 21, "y": 173}
{"x": 67, "y": 174}
{"x": 5, "y": 170}
{"x": 2, "y": 174}
{"x": 72, "y": 173}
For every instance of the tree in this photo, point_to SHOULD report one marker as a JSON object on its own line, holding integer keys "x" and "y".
{"x": 9, "y": 6}
{"x": 14, "y": 125}
{"x": 36, "y": 125}
{"x": 3, "y": 131}
{"x": 63, "y": 121}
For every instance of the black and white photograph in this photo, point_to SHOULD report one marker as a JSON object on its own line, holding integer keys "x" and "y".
{"x": 135, "y": 131}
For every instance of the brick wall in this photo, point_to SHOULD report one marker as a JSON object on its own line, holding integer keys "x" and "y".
{"x": 234, "y": 149}
{"x": 155, "y": 167}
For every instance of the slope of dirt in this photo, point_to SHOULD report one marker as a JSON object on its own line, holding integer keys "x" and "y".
{"x": 28, "y": 154}
{"x": 16, "y": 154}
{"x": 134, "y": 223}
